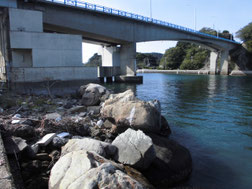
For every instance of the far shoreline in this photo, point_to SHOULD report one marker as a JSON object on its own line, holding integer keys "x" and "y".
{"x": 195, "y": 72}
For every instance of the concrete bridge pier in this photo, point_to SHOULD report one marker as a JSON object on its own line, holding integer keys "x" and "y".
{"x": 224, "y": 60}
{"x": 213, "y": 62}
{"x": 119, "y": 62}
{"x": 128, "y": 59}
{"x": 128, "y": 64}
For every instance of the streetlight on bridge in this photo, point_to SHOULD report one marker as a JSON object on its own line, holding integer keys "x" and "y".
{"x": 150, "y": 9}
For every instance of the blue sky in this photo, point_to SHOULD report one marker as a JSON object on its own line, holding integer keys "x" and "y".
{"x": 218, "y": 14}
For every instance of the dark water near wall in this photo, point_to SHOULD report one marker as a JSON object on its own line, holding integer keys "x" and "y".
{"x": 212, "y": 117}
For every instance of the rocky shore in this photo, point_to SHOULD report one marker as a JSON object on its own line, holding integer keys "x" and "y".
{"x": 90, "y": 140}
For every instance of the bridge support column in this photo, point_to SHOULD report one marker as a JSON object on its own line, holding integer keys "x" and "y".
{"x": 213, "y": 62}
{"x": 224, "y": 59}
{"x": 128, "y": 65}
{"x": 128, "y": 59}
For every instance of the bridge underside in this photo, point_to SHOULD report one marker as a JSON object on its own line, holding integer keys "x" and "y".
{"x": 46, "y": 38}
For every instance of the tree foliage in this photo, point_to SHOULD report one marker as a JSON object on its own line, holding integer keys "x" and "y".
{"x": 224, "y": 34}
{"x": 245, "y": 34}
{"x": 195, "y": 59}
{"x": 148, "y": 60}
{"x": 94, "y": 61}
{"x": 184, "y": 56}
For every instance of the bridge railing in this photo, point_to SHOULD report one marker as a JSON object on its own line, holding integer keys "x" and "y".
{"x": 99, "y": 8}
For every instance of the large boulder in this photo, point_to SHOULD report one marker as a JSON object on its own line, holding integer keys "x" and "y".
{"x": 122, "y": 97}
{"x": 130, "y": 112}
{"x": 92, "y": 94}
{"x": 87, "y": 170}
{"x": 172, "y": 165}
{"x": 102, "y": 148}
{"x": 135, "y": 149}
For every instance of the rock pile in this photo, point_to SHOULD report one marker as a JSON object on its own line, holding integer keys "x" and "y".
{"x": 100, "y": 140}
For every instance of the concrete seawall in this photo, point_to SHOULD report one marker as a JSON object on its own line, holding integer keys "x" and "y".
{"x": 193, "y": 72}
{"x": 6, "y": 180}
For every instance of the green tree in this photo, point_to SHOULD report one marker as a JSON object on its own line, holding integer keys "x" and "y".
{"x": 195, "y": 59}
{"x": 209, "y": 31}
{"x": 173, "y": 57}
{"x": 245, "y": 34}
{"x": 94, "y": 61}
{"x": 148, "y": 60}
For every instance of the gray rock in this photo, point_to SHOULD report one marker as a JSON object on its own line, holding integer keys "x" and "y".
{"x": 156, "y": 104}
{"x": 92, "y": 94}
{"x": 135, "y": 149}
{"x": 165, "y": 128}
{"x": 172, "y": 165}
{"x": 108, "y": 125}
{"x": 58, "y": 142}
{"x": 120, "y": 97}
{"x": 24, "y": 131}
{"x": 94, "y": 109}
{"x": 87, "y": 170}
{"x": 14, "y": 145}
{"x": 134, "y": 114}
{"x": 77, "y": 109}
{"x": 104, "y": 149}
{"x": 53, "y": 116}
{"x": 83, "y": 114}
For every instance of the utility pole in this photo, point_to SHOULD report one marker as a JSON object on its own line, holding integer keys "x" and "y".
{"x": 150, "y": 9}
{"x": 195, "y": 19}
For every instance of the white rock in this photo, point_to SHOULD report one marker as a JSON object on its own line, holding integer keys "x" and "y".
{"x": 102, "y": 148}
{"x": 88, "y": 170}
{"x": 15, "y": 121}
{"x": 46, "y": 139}
{"x": 99, "y": 123}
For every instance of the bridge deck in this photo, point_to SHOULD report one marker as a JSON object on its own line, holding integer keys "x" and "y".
{"x": 107, "y": 10}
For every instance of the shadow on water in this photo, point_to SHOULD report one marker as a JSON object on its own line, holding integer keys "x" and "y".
{"x": 208, "y": 172}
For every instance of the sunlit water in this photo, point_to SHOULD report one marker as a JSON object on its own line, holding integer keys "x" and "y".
{"x": 212, "y": 117}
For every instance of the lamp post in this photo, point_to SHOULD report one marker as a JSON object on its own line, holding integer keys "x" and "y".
{"x": 150, "y": 9}
{"x": 195, "y": 19}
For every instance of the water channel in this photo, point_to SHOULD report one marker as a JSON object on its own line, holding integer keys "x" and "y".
{"x": 212, "y": 117}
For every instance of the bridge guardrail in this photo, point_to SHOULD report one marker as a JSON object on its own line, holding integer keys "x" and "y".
{"x": 99, "y": 8}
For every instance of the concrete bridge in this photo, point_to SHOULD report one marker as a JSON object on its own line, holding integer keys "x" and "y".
{"x": 41, "y": 39}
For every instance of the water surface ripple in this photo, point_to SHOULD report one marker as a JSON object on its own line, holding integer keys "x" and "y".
{"x": 212, "y": 117}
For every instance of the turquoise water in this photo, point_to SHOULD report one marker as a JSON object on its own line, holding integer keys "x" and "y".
{"x": 212, "y": 117}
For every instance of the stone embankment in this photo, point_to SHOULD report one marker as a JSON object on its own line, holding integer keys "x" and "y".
{"x": 241, "y": 73}
{"x": 91, "y": 140}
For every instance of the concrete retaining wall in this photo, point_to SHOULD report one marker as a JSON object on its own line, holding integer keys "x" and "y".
{"x": 4, "y": 43}
{"x": 25, "y": 20}
{"x": 6, "y": 180}
{"x": 196, "y": 72}
{"x": 53, "y": 73}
